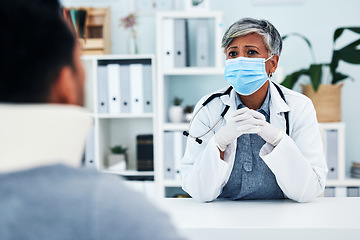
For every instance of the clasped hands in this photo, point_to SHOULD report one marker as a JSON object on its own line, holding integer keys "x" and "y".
{"x": 247, "y": 121}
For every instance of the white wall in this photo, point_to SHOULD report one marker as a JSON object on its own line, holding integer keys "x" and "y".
{"x": 316, "y": 19}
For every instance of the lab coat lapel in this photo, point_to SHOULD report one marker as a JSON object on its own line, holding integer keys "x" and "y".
{"x": 277, "y": 108}
{"x": 229, "y": 100}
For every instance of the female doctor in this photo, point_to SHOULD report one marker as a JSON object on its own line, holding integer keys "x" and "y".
{"x": 268, "y": 144}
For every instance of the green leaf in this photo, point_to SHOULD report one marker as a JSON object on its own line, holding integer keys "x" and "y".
{"x": 339, "y": 31}
{"x": 315, "y": 72}
{"x": 337, "y": 77}
{"x": 292, "y": 78}
{"x": 118, "y": 149}
{"x": 334, "y": 62}
{"x": 350, "y": 56}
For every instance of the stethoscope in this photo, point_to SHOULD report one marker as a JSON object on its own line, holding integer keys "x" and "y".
{"x": 227, "y": 92}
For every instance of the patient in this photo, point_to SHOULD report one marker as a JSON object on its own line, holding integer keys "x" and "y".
{"x": 43, "y": 193}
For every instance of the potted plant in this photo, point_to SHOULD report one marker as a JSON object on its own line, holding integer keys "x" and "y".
{"x": 326, "y": 97}
{"x": 176, "y": 111}
{"x": 188, "y": 110}
{"x": 117, "y": 159}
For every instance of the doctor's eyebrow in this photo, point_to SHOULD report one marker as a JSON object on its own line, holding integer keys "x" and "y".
{"x": 231, "y": 48}
{"x": 252, "y": 46}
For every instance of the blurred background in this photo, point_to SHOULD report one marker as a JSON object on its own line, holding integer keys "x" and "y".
{"x": 317, "y": 20}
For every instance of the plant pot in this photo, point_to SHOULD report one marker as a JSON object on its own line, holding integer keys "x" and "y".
{"x": 117, "y": 162}
{"x": 188, "y": 116}
{"x": 176, "y": 114}
{"x": 327, "y": 101}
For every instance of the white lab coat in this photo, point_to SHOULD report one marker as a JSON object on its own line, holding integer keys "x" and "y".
{"x": 298, "y": 161}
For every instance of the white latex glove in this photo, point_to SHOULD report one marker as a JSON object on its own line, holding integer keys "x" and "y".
{"x": 244, "y": 121}
{"x": 269, "y": 133}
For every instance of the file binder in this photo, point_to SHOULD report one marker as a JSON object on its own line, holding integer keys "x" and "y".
{"x": 169, "y": 172}
{"x": 168, "y": 37}
{"x": 136, "y": 88}
{"x": 113, "y": 73}
{"x": 178, "y": 153}
{"x": 353, "y": 192}
{"x": 332, "y": 149}
{"x": 202, "y": 43}
{"x": 180, "y": 43}
{"x": 102, "y": 89}
{"x": 125, "y": 98}
{"x": 147, "y": 87}
{"x": 145, "y": 152}
{"x": 90, "y": 150}
{"x": 329, "y": 192}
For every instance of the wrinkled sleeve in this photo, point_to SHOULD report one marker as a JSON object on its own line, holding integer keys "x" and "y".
{"x": 203, "y": 172}
{"x": 298, "y": 162}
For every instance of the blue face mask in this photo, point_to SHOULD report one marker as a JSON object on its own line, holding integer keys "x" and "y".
{"x": 246, "y": 75}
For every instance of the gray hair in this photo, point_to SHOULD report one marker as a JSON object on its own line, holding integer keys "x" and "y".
{"x": 264, "y": 28}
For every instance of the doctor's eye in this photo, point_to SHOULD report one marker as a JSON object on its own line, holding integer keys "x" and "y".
{"x": 252, "y": 52}
{"x": 232, "y": 54}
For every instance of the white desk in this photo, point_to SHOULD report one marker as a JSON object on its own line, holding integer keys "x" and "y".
{"x": 322, "y": 218}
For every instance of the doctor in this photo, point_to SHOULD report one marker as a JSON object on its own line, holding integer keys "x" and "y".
{"x": 268, "y": 144}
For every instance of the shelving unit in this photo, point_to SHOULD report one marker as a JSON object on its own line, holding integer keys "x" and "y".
{"x": 118, "y": 128}
{"x": 166, "y": 73}
{"x": 97, "y": 31}
{"x": 334, "y": 145}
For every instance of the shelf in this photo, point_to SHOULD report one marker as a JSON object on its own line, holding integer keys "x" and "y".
{"x": 171, "y": 142}
{"x": 123, "y": 115}
{"x": 97, "y": 29}
{"x": 93, "y": 43}
{"x": 194, "y": 71}
{"x": 348, "y": 182}
{"x": 172, "y": 183}
{"x": 129, "y": 173}
{"x": 176, "y": 126}
{"x": 120, "y": 128}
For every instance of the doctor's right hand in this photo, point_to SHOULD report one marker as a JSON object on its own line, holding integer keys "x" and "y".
{"x": 243, "y": 121}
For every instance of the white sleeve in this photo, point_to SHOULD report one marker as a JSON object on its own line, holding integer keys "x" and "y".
{"x": 298, "y": 162}
{"x": 203, "y": 172}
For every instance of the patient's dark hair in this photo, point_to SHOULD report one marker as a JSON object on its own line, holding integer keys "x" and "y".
{"x": 35, "y": 44}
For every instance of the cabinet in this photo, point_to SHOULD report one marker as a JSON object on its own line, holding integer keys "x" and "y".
{"x": 132, "y": 78}
{"x": 338, "y": 184}
{"x": 188, "y": 44}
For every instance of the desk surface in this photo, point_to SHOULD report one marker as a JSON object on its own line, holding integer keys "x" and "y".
{"x": 322, "y": 218}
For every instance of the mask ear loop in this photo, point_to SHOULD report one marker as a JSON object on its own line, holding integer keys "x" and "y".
{"x": 270, "y": 73}
{"x": 269, "y": 57}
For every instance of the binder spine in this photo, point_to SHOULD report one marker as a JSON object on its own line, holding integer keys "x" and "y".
{"x": 103, "y": 106}
{"x": 145, "y": 152}
{"x": 148, "y": 89}
{"x": 136, "y": 88}
{"x": 114, "y": 87}
{"x": 125, "y": 89}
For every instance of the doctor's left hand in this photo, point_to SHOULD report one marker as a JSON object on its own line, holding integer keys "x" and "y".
{"x": 269, "y": 132}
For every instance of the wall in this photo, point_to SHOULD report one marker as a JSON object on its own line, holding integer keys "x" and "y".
{"x": 316, "y": 19}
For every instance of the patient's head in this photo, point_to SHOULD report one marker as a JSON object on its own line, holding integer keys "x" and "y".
{"x": 40, "y": 57}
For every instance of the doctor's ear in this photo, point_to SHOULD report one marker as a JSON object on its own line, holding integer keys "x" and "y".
{"x": 273, "y": 63}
